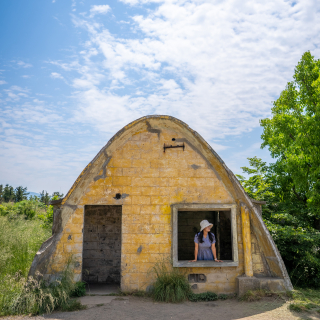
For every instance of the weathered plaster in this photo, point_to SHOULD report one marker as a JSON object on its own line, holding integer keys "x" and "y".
{"x": 246, "y": 236}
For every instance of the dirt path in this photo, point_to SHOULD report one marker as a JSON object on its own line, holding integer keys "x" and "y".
{"x": 145, "y": 309}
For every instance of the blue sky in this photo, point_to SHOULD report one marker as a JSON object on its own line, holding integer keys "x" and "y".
{"x": 73, "y": 73}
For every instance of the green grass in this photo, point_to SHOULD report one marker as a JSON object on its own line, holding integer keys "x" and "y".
{"x": 205, "y": 296}
{"x": 256, "y": 295}
{"x": 305, "y": 300}
{"x": 73, "y": 305}
{"x": 20, "y": 239}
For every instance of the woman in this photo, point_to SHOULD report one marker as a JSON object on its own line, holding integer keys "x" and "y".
{"x": 205, "y": 243}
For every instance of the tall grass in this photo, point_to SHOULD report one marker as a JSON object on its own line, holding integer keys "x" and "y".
{"x": 20, "y": 239}
{"x": 171, "y": 284}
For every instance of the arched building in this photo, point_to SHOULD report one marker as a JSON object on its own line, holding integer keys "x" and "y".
{"x": 141, "y": 199}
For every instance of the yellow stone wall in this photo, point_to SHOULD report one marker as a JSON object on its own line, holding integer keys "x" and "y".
{"x": 152, "y": 180}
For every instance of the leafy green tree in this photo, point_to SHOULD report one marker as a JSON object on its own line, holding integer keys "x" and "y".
{"x": 288, "y": 221}
{"x": 21, "y": 194}
{"x": 257, "y": 185}
{"x": 34, "y": 198}
{"x": 1, "y": 193}
{"x": 291, "y": 185}
{"x": 44, "y": 197}
{"x": 56, "y": 195}
{"x": 8, "y": 193}
{"x": 292, "y": 135}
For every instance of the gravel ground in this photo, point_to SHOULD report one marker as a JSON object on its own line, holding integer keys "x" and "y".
{"x": 145, "y": 309}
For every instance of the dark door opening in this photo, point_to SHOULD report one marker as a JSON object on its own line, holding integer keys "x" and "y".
{"x": 102, "y": 244}
{"x": 189, "y": 226}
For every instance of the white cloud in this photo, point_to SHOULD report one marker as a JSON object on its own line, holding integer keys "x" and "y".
{"x": 24, "y": 64}
{"x": 14, "y": 93}
{"x": 99, "y": 9}
{"x": 215, "y": 65}
{"x": 2, "y": 82}
{"x": 56, "y": 75}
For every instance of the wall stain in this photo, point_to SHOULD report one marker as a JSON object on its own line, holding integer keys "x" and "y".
{"x": 104, "y": 166}
{"x": 195, "y": 167}
{"x": 200, "y": 153}
{"x": 152, "y": 130}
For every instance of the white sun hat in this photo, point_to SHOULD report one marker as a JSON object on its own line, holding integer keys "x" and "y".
{"x": 204, "y": 224}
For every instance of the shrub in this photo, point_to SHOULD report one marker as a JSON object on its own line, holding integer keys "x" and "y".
{"x": 205, "y": 296}
{"x": 36, "y": 296}
{"x": 26, "y": 208}
{"x": 171, "y": 284}
{"x": 79, "y": 289}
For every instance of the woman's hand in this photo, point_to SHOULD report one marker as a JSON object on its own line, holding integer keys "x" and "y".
{"x": 216, "y": 260}
{"x": 193, "y": 260}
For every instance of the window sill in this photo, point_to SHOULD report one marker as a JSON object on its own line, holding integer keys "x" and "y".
{"x": 205, "y": 264}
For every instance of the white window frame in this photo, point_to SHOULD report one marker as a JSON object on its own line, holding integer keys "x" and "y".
{"x": 204, "y": 207}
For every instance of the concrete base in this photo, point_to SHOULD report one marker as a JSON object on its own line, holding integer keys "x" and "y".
{"x": 245, "y": 283}
{"x": 100, "y": 289}
{"x": 91, "y": 301}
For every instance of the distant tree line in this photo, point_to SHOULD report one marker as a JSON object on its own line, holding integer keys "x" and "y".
{"x": 10, "y": 194}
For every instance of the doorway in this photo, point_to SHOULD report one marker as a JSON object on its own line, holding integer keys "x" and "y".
{"x": 102, "y": 244}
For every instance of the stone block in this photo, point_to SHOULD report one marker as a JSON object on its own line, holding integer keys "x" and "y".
{"x": 149, "y": 172}
{"x": 197, "y": 182}
{"x": 141, "y": 163}
{"x": 151, "y": 209}
{"x": 140, "y": 200}
{"x": 157, "y": 163}
{"x": 121, "y": 181}
{"x": 245, "y": 284}
{"x": 178, "y": 182}
{"x": 166, "y": 209}
{"x": 78, "y": 237}
{"x": 159, "y": 200}
{"x": 122, "y": 163}
{"x": 164, "y": 219}
{"x": 73, "y": 248}
{"x": 272, "y": 284}
{"x": 149, "y": 191}
{"x": 114, "y": 172}
{"x": 169, "y": 172}
{"x": 164, "y": 191}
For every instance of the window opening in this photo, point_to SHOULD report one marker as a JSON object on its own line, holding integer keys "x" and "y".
{"x": 186, "y": 218}
{"x": 189, "y": 226}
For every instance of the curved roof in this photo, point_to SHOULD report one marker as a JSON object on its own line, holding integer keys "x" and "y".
{"x": 127, "y": 127}
{"x": 261, "y": 231}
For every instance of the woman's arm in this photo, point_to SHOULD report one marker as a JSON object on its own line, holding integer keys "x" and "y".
{"x": 214, "y": 251}
{"x": 196, "y": 246}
